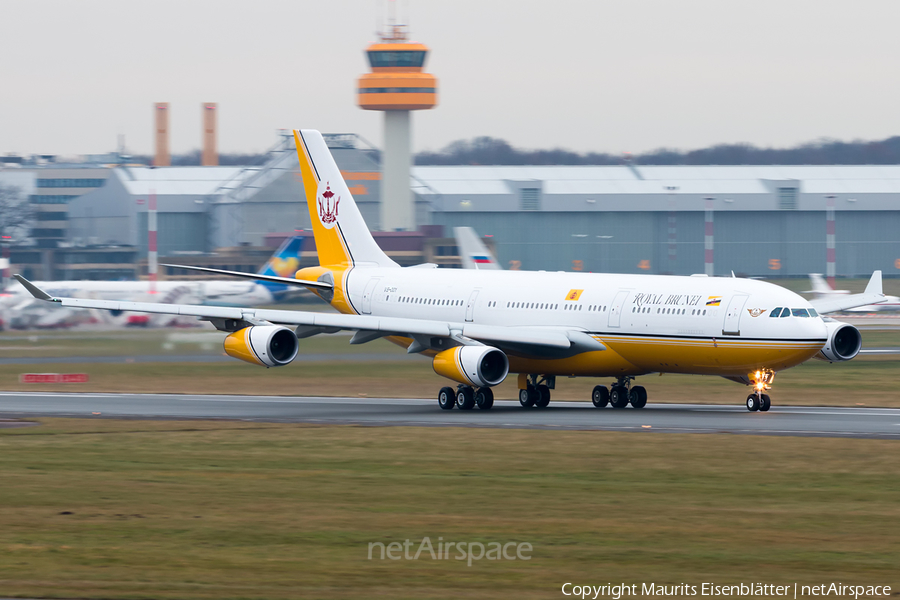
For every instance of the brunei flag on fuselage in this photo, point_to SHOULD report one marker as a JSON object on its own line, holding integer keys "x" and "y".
{"x": 714, "y": 300}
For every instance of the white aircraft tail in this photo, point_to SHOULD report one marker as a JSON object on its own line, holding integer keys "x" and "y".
{"x": 472, "y": 252}
{"x": 821, "y": 288}
{"x": 819, "y": 285}
{"x": 342, "y": 237}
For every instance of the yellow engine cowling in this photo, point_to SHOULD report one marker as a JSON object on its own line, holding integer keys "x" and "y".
{"x": 266, "y": 345}
{"x": 481, "y": 366}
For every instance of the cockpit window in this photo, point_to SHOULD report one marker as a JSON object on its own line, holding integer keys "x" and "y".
{"x": 799, "y": 312}
{"x": 813, "y": 313}
{"x": 776, "y": 312}
{"x": 785, "y": 313}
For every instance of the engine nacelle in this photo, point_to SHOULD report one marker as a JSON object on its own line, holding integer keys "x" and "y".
{"x": 481, "y": 366}
{"x": 266, "y": 345}
{"x": 843, "y": 343}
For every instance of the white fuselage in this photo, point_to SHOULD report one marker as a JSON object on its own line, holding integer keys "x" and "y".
{"x": 724, "y": 322}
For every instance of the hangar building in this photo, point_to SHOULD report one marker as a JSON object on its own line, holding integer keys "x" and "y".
{"x": 767, "y": 221}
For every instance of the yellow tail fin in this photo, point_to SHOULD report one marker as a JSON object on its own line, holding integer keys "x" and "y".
{"x": 342, "y": 237}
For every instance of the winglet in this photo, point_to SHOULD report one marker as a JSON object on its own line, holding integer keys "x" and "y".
{"x": 35, "y": 290}
{"x": 874, "y": 286}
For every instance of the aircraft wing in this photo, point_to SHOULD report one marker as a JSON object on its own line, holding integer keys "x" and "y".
{"x": 258, "y": 277}
{"x": 873, "y": 294}
{"x": 313, "y": 322}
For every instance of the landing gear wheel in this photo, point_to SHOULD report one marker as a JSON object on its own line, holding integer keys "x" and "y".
{"x": 447, "y": 398}
{"x": 465, "y": 398}
{"x": 638, "y": 397}
{"x": 600, "y": 396}
{"x": 752, "y": 403}
{"x": 528, "y": 397}
{"x": 484, "y": 398}
{"x": 618, "y": 397}
{"x": 543, "y": 396}
{"x": 765, "y": 404}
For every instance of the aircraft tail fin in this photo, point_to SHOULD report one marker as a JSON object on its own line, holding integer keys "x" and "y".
{"x": 819, "y": 285}
{"x": 472, "y": 252}
{"x": 284, "y": 263}
{"x": 342, "y": 237}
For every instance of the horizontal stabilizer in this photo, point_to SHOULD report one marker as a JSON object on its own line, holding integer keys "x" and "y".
{"x": 322, "y": 285}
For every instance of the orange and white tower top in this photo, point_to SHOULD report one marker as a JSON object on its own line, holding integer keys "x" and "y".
{"x": 397, "y": 81}
{"x": 396, "y": 86}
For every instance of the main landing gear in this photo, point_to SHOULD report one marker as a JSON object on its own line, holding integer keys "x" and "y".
{"x": 758, "y": 400}
{"x": 537, "y": 391}
{"x": 620, "y": 394}
{"x": 466, "y": 398}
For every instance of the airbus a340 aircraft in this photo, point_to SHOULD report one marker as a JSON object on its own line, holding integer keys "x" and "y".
{"x": 479, "y": 326}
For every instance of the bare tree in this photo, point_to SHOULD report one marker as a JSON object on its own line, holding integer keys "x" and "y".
{"x": 16, "y": 215}
{"x": 491, "y": 151}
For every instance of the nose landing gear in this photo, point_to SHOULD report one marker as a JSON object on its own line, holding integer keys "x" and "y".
{"x": 761, "y": 381}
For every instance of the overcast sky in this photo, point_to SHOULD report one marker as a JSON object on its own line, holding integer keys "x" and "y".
{"x": 587, "y": 75}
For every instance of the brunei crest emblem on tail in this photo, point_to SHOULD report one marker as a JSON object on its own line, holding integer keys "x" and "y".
{"x": 328, "y": 207}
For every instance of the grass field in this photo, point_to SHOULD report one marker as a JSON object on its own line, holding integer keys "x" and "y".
{"x": 141, "y": 509}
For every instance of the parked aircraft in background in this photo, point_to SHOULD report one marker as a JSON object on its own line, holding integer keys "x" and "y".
{"x": 20, "y": 309}
{"x": 821, "y": 289}
{"x": 472, "y": 252}
{"x": 479, "y": 326}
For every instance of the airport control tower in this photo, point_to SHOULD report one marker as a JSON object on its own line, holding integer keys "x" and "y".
{"x": 396, "y": 86}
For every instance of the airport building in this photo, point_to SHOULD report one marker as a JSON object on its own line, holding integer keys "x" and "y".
{"x": 760, "y": 221}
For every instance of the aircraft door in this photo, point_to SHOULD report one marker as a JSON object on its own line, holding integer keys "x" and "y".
{"x": 367, "y": 295}
{"x": 470, "y": 306}
{"x": 615, "y": 309}
{"x": 732, "y": 324}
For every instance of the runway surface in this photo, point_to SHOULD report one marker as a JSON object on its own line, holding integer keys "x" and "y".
{"x": 677, "y": 418}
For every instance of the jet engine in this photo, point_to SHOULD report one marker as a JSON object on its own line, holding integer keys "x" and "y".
{"x": 266, "y": 345}
{"x": 843, "y": 343}
{"x": 481, "y": 366}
